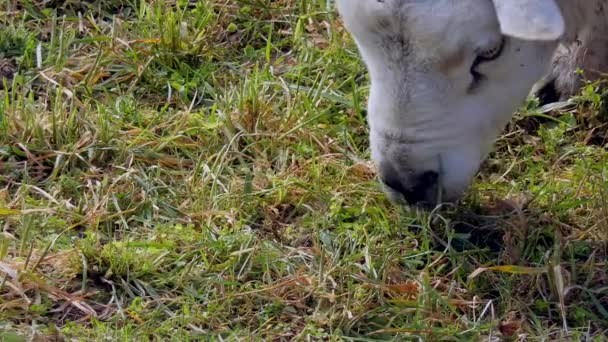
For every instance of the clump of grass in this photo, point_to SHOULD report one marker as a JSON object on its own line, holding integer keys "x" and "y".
{"x": 179, "y": 170}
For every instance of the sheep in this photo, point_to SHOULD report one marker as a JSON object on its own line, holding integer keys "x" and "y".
{"x": 447, "y": 76}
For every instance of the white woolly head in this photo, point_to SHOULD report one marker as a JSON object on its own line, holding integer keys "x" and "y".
{"x": 445, "y": 79}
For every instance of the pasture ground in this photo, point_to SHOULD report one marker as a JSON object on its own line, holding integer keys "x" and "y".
{"x": 175, "y": 170}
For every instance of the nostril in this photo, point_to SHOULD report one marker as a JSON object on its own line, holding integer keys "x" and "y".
{"x": 424, "y": 188}
{"x": 418, "y": 188}
{"x": 427, "y": 179}
{"x": 391, "y": 178}
{"x": 421, "y": 190}
{"x": 394, "y": 184}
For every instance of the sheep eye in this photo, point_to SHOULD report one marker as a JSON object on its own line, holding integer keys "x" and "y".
{"x": 483, "y": 56}
{"x": 491, "y": 53}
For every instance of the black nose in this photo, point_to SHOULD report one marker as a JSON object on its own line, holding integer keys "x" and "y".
{"x": 417, "y": 190}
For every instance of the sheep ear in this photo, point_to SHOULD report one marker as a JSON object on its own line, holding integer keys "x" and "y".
{"x": 530, "y": 19}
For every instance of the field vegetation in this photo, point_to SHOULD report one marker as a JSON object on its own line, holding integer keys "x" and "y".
{"x": 199, "y": 170}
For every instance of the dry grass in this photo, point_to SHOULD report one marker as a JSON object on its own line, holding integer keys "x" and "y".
{"x": 197, "y": 170}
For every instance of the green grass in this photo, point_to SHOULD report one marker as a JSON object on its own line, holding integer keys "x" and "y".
{"x": 178, "y": 170}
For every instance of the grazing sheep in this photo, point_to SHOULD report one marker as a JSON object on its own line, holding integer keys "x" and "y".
{"x": 447, "y": 75}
